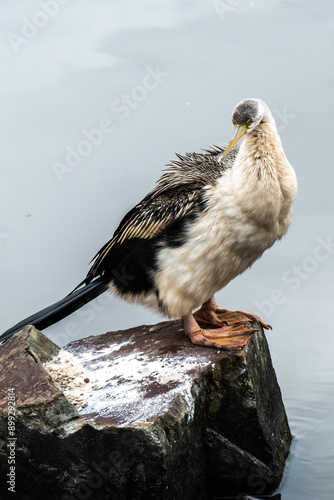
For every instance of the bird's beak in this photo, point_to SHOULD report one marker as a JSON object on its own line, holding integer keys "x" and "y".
{"x": 239, "y": 131}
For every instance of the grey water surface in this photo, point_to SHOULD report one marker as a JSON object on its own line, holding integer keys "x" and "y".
{"x": 96, "y": 97}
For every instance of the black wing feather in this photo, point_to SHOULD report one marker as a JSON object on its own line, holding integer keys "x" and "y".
{"x": 178, "y": 197}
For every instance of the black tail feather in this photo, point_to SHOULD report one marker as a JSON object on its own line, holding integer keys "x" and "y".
{"x": 59, "y": 310}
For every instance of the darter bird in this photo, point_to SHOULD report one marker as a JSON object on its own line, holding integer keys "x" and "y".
{"x": 209, "y": 218}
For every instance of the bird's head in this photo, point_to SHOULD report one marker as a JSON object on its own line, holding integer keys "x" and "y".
{"x": 247, "y": 115}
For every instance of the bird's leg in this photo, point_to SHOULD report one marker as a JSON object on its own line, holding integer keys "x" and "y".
{"x": 209, "y": 313}
{"x": 227, "y": 337}
{"x": 232, "y": 329}
{"x": 214, "y": 315}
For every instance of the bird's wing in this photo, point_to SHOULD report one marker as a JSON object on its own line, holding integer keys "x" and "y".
{"x": 147, "y": 220}
{"x": 179, "y": 192}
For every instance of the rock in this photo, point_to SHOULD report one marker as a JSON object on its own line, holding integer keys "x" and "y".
{"x": 142, "y": 414}
{"x": 40, "y": 403}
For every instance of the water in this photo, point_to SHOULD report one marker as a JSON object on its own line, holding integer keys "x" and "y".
{"x": 158, "y": 78}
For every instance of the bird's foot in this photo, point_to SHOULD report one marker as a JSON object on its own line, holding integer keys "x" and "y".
{"x": 227, "y": 337}
{"x": 222, "y": 338}
{"x": 213, "y": 315}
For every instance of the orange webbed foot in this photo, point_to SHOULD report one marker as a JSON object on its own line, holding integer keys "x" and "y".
{"x": 232, "y": 329}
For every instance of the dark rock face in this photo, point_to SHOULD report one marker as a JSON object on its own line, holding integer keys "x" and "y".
{"x": 141, "y": 414}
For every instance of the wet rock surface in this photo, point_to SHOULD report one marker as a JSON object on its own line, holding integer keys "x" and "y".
{"x": 141, "y": 414}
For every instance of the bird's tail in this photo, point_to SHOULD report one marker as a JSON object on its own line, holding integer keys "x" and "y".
{"x": 59, "y": 310}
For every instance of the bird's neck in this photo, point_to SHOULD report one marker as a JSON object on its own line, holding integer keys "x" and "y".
{"x": 263, "y": 179}
{"x": 261, "y": 152}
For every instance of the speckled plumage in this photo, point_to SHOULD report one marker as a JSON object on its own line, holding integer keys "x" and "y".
{"x": 179, "y": 193}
